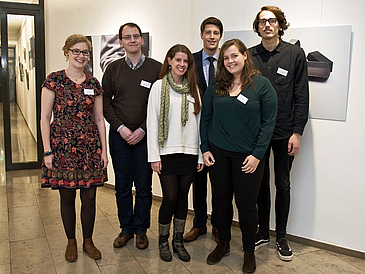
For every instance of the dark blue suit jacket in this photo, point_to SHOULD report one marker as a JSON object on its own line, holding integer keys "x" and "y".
{"x": 199, "y": 71}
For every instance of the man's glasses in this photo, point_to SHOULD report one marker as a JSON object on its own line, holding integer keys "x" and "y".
{"x": 77, "y": 52}
{"x": 129, "y": 37}
{"x": 272, "y": 21}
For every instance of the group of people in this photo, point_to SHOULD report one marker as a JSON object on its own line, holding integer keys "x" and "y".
{"x": 219, "y": 111}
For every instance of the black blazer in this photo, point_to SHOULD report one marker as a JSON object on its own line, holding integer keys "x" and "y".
{"x": 199, "y": 71}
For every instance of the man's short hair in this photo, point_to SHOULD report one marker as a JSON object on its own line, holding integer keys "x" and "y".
{"x": 280, "y": 16}
{"x": 213, "y": 21}
{"x": 131, "y": 25}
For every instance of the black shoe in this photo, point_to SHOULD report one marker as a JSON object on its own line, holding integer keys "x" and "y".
{"x": 284, "y": 250}
{"x": 163, "y": 245}
{"x": 221, "y": 250}
{"x": 261, "y": 241}
{"x": 179, "y": 248}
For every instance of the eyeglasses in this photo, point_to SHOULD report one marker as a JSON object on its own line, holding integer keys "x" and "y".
{"x": 129, "y": 37}
{"x": 272, "y": 21}
{"x": 77, "y": 52}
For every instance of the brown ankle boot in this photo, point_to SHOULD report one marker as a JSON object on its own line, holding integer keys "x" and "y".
{"x": 249, "y": 263}
{"x": 91, "y": 250}
{"x": 71, "y": 250}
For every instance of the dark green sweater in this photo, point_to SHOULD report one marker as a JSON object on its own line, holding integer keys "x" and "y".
{"x": 231, "y": 124}
{"x": 126, "y": 93}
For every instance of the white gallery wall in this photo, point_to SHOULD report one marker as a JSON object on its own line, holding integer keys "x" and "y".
{"x": 328, "y": 187}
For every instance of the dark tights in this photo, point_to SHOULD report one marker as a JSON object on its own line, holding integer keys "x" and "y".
{"x": 175, "y": 189}
{"x": 68, "y": 211}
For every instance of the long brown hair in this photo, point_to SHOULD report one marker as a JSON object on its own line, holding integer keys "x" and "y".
{"x": 189, "y": 74}
{"x": 224, "y": 79}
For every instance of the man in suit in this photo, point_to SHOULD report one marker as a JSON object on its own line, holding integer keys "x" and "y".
{"x": 211, "y": 31}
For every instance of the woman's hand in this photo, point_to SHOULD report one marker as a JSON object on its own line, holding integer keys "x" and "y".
{"x": 104, "y": 159}
{"x": 208, "y": 158}
{"x": 250, "y": 164}
{"x": 199, "y": 167}
{"x": 48, "y": 161}
{"x": 156, "y": 167}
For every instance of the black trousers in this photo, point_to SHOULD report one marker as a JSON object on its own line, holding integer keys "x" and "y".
{"x": 282, "y": 166}
{"x": 227, "y": 179}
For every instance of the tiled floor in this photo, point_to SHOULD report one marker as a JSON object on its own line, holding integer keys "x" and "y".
{"x": 32, "y": 239}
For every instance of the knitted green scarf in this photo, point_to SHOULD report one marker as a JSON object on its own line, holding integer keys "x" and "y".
{"x": 168, "y": 81}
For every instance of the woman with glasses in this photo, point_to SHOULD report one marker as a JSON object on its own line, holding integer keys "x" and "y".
{"x": 173, "y": 116}
{"x": 238, "y": 119}
{"x": 74, "y": 142}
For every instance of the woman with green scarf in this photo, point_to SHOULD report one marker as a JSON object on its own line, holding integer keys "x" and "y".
{"x": 173, "y": 117}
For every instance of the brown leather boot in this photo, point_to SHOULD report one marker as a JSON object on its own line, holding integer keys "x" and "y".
{"x": 249, "y": 263}
{"x": 221, "y": 250}
{"x": 91, "y": 250}
{"x": 71, "y": 250}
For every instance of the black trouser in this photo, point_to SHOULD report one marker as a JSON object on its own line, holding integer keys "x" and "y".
{"x": 200, "y": 187}
{"x": 227, "y": 178}
{"x": 282, "y": 166}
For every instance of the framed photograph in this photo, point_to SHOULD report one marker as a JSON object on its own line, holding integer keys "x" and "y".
{"x": 31, "y": 52}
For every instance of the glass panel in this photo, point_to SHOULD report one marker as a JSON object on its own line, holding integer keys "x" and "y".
{"x": 22, "y": 1}
{"x": 22, "y": 89}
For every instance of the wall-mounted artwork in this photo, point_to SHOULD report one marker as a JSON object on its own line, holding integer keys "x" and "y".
{"x": 31, "y": 52}
{"x": 106, "y": 49}
{"x": 328, "y": 53}
{"x": 21, "y": 71}
{"x": 27, "y": 78}
{"x": 25, "y": 55}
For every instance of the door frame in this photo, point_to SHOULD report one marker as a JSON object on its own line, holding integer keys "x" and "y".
{"x": 37, "y": 11}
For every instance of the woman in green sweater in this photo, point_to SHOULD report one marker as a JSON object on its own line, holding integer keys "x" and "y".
{"x": 238, "y": 119}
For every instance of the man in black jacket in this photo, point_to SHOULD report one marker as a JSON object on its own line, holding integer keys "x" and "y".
{"x": 211, "y": 31}
{"x": 285, "y": 66}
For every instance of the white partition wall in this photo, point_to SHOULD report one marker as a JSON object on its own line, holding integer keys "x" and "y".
{"x": 327, "y": 183}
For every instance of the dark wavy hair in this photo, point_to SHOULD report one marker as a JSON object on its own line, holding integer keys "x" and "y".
{"x": 280, "y": 16}
{"x": 189, "y": 74}
{"x": 224, "y": 79}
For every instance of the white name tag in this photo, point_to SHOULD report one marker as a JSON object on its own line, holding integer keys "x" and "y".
{"x": 190, "y": 99}
{"x": 88, "y": 91}
{"x": 242, "y": 99}
{"x": 282, "y": 71}
{"x": 145, "y": 84}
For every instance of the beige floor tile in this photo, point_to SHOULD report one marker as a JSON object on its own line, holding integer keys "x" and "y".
{"x": 83, "y": 264}
{"x": 150, "y": 261}
{"x": 327, "y": 262}
{"x": 132, "y": 267}
{"x": 32, "y": 256}
{"x": 4, "y": 231}
{"x": 20, "y": 214}
{"x": 5, "y": 252}
{"x": 359, "y": 263}
{"x": 26, "y": 230}
{"x": 5, "y": 269}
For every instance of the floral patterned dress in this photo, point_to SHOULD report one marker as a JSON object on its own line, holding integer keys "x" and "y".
{"x": 74, "y": 134}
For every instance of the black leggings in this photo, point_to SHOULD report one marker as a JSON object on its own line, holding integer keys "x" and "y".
{"x": 68, "y": 212}
{"x": 227, "y": 178}
{"x": 175, "y": 189}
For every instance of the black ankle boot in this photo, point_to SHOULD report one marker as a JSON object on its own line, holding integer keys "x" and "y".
{"x": 222, "y": 249}
{"x": 178, "y": 246}
{"x": 249, "y": 263}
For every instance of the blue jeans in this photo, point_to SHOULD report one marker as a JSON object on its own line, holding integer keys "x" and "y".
{"x": 130, "y": 165}
{"x": 282, "y": 166}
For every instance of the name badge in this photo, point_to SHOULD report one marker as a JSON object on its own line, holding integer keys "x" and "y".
{"x": 282, "y": 71}
{"x": 145, "y": 84}
{"x": 190, "y": 99}
{"x": 88, "y": 91}
{"x": 242, "y": 99}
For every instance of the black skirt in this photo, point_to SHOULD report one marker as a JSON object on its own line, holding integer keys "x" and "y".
{"x": 179, "y": 163}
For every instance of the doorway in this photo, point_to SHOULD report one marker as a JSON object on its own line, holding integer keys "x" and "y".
{"x": 23, "y": 63}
